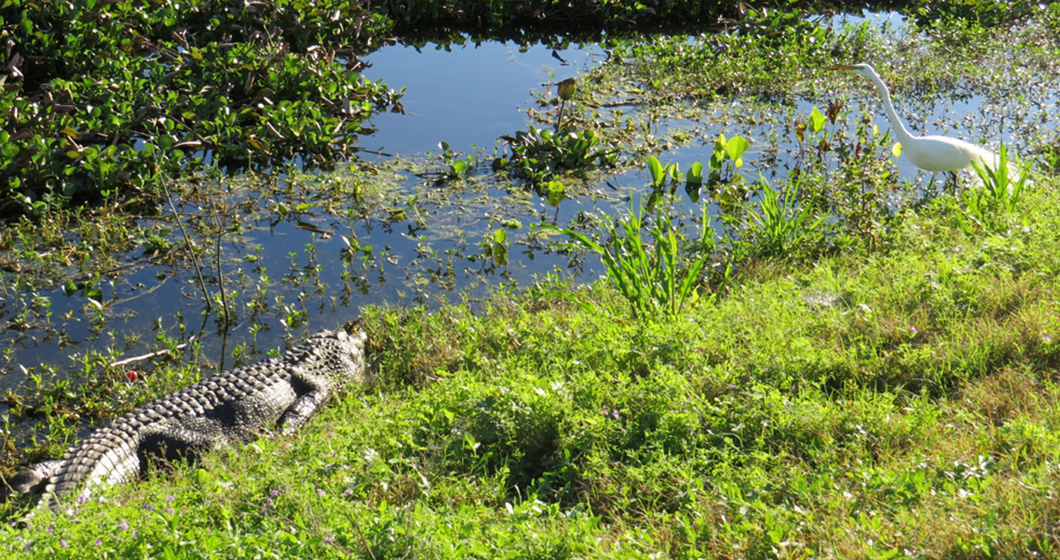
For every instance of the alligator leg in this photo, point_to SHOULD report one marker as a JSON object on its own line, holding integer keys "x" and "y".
{"x": 32, "y": 480}
{"x": 301, "y": 411}
{"x": 175, "y": 444}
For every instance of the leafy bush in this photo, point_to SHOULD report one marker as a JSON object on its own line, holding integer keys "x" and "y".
{"x": 658, "y": 283}
{"x": 107, "y": 98}
{"x": 539, "y": 154}
{"x": 781, "y": 227}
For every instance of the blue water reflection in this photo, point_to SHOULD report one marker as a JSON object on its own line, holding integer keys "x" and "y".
{"x": 468, "y": 96}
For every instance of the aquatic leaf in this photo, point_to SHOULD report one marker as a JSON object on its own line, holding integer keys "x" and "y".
{"x": 817, "y": 120}
{"x": 695, "y": 173}
{"x": 735, "y": 148}
{"x": 674, "y": 171}
{"x": 656, "y": 169}
{"x": 556, "y": 192}
{"x": 896, "y": 150}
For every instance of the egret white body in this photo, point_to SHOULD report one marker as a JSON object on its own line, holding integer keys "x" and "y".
{"x": 930, "y": 153}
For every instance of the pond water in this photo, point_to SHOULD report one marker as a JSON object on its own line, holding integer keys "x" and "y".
{"x": 299, "y": 273}
{"x": 305, "y": 272}
{"x": 467, "y": 95}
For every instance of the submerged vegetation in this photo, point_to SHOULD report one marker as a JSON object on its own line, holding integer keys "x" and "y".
{"x": 794, "y": 350}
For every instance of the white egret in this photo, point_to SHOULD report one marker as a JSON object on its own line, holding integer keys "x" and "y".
{"x": 930, "y": 153}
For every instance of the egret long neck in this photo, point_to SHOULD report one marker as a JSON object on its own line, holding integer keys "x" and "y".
{"x": 900, "y": 130}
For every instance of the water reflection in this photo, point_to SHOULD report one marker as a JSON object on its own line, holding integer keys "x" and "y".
{"x": 468, "y": 96}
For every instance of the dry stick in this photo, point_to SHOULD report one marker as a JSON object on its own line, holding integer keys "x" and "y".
{"x": 221, "y": 285}
{"x": 191, "y": 244}
{"x": 360, "y": 533}
{"x": 559, "y": 120}
{"x": 150, "y": 355}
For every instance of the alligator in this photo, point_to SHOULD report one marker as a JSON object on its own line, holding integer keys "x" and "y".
{"x": 237, "y": 406}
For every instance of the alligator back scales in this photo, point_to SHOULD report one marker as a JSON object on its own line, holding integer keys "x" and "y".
{"x": 279, "y": 394}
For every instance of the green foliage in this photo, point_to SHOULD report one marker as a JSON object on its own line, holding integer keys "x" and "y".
{"x": 728, "y": 150}
{"x": 930, "y": 13}
{"x": 540, "y": 155}
{"x": 660, "y": 174}
{"x": 695, "y": 174}
{"x": 657, "y": 283}
{"x": 495, "y": 247}
{"x": 556, "y": 192}
{"x": 782, "y": 227}
{"x": 455, "y": 167}
{"x": 764, "y": 56}
{"x": 1001, "y": 192}
{"x": 114, "y": 97}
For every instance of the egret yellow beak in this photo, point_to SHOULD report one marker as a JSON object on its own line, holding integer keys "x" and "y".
{"x": 841, "y": 67}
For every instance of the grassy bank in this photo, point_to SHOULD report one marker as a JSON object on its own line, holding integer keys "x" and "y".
{"x": 875, "y": 404}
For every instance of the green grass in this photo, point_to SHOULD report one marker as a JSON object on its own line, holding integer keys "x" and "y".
{"x": 876, "y": 404}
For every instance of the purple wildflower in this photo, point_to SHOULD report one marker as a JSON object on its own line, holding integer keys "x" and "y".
{"x": 99, "y": 542}
{"x": 170, "y": 498}
{"x": 62, "y": 543}
{"x": 123, "y": 526}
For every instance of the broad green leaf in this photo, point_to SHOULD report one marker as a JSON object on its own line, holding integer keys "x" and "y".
{"x": 656, "y": 169}
{"x": 736, "y": 147}
{"x": 695, "y": 173}
{"x": 817, "y": 120}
